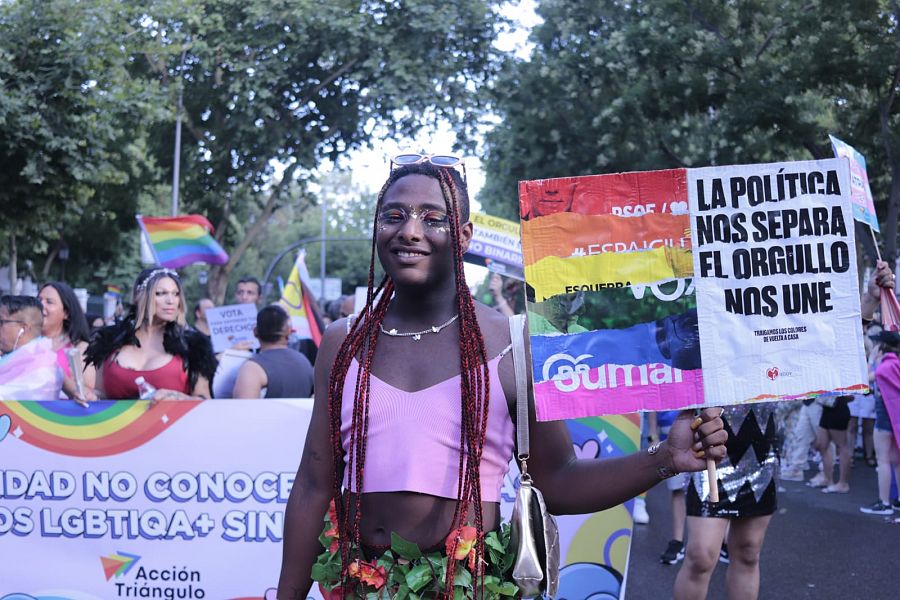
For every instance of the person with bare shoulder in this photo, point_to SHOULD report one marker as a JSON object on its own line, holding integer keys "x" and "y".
{"x": 152, "y": 342}
{"x": 413, "y": 425}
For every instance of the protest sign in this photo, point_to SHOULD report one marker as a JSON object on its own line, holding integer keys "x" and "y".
{"x": 627, "y": 306}
{"x": 775, "y": 273}
{"x": 495, "y": 244}
{"x": 612, "y": 290}
{"x": 231, "y": 325}
{"x": 860, "y": 192}
{"x": 186, "y": 500}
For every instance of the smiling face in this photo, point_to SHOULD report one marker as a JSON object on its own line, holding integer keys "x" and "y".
{"x": 54, "y": 311}
{"x": 167, "y": 302}
{"x": 413, "y": 232}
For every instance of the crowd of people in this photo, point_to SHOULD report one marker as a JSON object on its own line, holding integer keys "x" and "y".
{"x": 149, "y": 352}
{"x": 815, "y": 435}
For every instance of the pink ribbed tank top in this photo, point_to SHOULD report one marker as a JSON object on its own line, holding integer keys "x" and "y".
{"x": 413, "y": 437}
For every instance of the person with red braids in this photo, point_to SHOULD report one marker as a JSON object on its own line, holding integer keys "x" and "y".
{"x": 413, "y": 428}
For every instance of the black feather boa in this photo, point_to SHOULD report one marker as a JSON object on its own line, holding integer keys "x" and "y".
{"x": 193, "y": 347}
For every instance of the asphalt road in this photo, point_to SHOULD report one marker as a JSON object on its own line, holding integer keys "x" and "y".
{"x": 818, "y": 546}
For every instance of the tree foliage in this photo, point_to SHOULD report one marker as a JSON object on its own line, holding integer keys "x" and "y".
{"x": 623, "y": 86}
{"x": 72, "y": 125}
{"x": 272, "y": 87}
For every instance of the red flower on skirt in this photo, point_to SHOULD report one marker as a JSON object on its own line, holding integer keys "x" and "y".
{"x": 464, "y": 539}
{"x": 368, "y": 573}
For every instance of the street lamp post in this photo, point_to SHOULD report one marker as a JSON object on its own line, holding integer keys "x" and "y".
{"x": 322, "y": 253}
{"x": 63, "y": 255}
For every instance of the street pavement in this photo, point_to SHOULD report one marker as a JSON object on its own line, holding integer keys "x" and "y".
{"x": 818, "y": 546}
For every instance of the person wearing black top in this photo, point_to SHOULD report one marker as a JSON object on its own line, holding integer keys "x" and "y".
{"x": 282, "y": 371}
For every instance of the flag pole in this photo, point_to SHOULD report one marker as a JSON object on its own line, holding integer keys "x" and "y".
{"x": 711, "y": 474}
{"x": 875, "y": 241}
{"x": 176, "y": 163}
{"x": 146, "y": 235}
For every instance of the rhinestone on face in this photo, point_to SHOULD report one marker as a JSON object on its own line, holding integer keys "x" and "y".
{"x": 417, "y": 337}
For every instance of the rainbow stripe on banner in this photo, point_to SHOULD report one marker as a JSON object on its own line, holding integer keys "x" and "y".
{"x": 181, "y": 241}
{"x": 104, "y": 428}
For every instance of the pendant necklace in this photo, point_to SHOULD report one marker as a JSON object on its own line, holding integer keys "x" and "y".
{"x": 417, "y": 335}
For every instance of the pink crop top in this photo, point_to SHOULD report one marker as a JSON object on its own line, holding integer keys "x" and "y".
{"x": 413, "y": 437}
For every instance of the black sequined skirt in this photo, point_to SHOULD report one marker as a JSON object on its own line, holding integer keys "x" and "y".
{"x": 746, "y": 478}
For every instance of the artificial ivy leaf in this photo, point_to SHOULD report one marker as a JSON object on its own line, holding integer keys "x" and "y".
{"x": 508, "y": 588}
{"x": 402, "y": 592}
{"x": 462, "y": 577}
{"x": 418, "y": 577}
{"x": 405, "y": 548}
{"x": 492, "y": 540}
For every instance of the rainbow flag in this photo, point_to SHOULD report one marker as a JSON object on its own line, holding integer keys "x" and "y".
{"x": 295, "y": 299}
{"x": 31, "y": 372}
{"x": 180, "y": 241}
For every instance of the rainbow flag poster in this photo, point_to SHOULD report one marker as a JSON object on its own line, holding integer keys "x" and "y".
{"x": 180, "y": 241}
{"x": 295, "y": 299}
{"x": 685, "y": 288}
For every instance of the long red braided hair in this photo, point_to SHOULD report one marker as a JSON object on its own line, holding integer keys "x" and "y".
{"x": 361, "y": 342}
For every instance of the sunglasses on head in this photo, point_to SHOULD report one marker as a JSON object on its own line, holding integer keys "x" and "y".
{"x": 438, "y": 160}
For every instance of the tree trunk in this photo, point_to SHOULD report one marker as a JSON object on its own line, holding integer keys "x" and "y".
{"x": 48, "y": 264}
{"x": 890, "y": 224}
{"x": 219, "y": 274}
{"x": 218, "y": 283}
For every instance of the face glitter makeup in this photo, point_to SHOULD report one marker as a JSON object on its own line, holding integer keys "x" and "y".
{"x": 394, "y": 216}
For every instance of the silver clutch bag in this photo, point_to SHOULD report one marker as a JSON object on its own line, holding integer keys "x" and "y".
{"x": 535, "y": 539}
{"x": 534, "y": 536}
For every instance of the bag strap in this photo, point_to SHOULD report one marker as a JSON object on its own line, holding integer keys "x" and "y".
{"x": 517, "y": 337}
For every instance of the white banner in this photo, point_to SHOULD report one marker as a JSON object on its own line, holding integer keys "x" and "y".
{"x": 186, "y": 500}
{"x": 775, "y": 275}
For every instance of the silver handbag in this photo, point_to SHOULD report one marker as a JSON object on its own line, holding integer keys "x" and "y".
{"x": 534, "y": 536}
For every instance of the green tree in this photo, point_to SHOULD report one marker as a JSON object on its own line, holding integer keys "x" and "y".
{"x": 73, "y": 123}
{"x": 615, "y": 86}
{"x": 271, "y": 87}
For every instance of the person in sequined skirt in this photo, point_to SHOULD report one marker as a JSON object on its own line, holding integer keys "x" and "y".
{"x": 747, "y": 501}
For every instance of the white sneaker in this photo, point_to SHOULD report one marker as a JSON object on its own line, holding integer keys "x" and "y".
{"x": 790, "y": 474}
{"x": 640, "y": 515}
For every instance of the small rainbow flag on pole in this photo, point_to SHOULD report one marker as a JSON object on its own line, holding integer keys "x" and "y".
{"x": 180, "y": 241}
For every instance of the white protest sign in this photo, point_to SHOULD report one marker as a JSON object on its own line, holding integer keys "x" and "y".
{"x": 332, "y": 288}
{"x": 775, "y": 276}
{"x": 232, "y": 324}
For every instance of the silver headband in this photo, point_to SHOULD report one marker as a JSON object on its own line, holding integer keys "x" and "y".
{"x": 154, "y": 273}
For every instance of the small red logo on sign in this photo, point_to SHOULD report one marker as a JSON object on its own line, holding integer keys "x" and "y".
{"x": 772, "y": 373}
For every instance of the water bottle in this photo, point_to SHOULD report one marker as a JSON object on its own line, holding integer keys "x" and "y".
{"x": 145, "y": 390}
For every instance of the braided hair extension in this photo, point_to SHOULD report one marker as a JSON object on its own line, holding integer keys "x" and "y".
{"x": 474, "y": 388}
